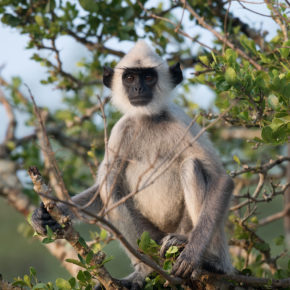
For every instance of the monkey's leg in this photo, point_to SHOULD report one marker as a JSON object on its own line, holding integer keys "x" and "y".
{"x": 207, "y": 195}
{"x": 132, "y": 224}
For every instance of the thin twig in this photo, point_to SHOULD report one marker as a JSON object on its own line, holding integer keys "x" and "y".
{"x": 10, "y": 132}
{"x": 50, "y": 162}
{"x": 177, "y": 27}
{"x": 219, "y": 36}
{"x": 255, "y": 194}
{"x": 225, "y": 25}
{"x": 279, "y": 19}
{"x": 274, "y": 217}
{"x": 261, "y": 168}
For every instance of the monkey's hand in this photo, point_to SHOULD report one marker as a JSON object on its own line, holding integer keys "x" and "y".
{"x": 41, "y": 218}
{"x": 187, "y": 264}
{"x": 170, "y": 240}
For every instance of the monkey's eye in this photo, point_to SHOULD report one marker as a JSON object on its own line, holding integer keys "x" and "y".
{"x": 148, "y": 78}
{"x": 129, "y": 78}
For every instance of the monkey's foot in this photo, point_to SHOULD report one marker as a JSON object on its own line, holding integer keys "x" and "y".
{"x": 172, "y": 240}
{"x": 41, "y": 218}
{"x": 134, "y": 281}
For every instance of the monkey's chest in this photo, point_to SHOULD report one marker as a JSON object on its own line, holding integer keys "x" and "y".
{"x": 158, "y": 192}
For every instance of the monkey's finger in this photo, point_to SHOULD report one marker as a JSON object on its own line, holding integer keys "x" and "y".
{"x": 179, "y": 267}
{"x": 195, "y": 274}
{"x": 163, "y": 250}
{"x": 187, "y": 271}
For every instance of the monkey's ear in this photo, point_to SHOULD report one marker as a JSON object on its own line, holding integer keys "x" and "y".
{"x": 108, "y": 76}
{"x": 176, "y": 74}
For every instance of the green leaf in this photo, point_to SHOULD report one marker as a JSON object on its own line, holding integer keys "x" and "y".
{"x": 62, "y": 284}
{"x": 172, "y": 250}
{"x": 20, "y": 283}
{"x": 76, "y": 262}
{"x": 40, "y": 286}
{"x": 39, "y": 20}
{"x": 267, "y": 133}
{"x": 236, "y": 159}
{"x": 284, "y": 52}
{"x": 26, "y": 279}
{"x": 262, "y": 247}
{"x": 90, "y": 5}
{"x": 47, "y": 241}
{"x": 214, "y": 58}
{"x": 11, "y": 20}
{"x": 230, "y": 75}
{"x": 49, "y": 232}
{"x": 107, "y": 259}
{"x": 279, "y": 240}
{"x": 89, "y": 257}
{"x": 32, "y": 272}
{"x": 103, "y": 234}
{"x": 230, "y": 56}
{"x": 83, "y": 242}
{"x": 254, "y": 220}
{"x": 204, "y": 59}
{"x": 81, "y": 277}
{"x": 87, "y": 275}
{"x": 144, "y": 243}
{"x": 81, "y": 259}
{"x": 72, "y": 281}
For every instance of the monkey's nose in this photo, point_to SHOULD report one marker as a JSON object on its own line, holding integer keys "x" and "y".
{"x": 138, "y": 89}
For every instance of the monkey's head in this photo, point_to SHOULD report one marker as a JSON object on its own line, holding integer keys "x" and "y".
{"x": 142, "y": 82}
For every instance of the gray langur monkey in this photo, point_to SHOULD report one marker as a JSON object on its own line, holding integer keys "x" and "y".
{"x": 188, "y": 202}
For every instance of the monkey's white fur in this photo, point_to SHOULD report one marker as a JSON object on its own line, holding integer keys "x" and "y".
{"x": 142, "y": 56}
{"x": 190, "y": 198}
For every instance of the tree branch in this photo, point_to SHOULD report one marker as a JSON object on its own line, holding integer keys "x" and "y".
{"x": 10, "y": 132}
{"x": 262, "y": 168}
{"x": 276, "y": 216}
{"x": 70, "y": 234}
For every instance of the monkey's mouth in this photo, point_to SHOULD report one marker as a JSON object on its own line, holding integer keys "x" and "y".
{"x": 139, "y": 101}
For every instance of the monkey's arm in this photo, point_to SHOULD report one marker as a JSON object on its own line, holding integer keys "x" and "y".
{"x": 207, "y": 196}
{"x": 41, "y": 218}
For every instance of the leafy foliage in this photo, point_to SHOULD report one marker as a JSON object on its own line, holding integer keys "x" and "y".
{"x": 241, "y": 66}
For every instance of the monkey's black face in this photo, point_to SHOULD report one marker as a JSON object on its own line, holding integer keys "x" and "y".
{"x": 139, "y": 84}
